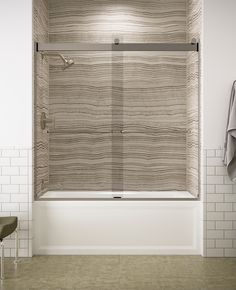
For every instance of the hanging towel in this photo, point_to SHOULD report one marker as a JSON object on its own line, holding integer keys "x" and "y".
{"x": 230, "y": 137}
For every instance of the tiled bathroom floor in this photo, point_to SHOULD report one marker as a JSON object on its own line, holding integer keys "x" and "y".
{"x": 120, "y": 272}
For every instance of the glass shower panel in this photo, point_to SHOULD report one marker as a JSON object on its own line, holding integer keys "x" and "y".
{"x": 80, "y": 155}
{"x": 154, "y": 121}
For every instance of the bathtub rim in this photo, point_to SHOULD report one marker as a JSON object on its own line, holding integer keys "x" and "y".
{"x": 189, "y": 198}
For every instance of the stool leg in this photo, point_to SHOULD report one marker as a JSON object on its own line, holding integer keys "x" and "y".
{"x": 2, "y": 260}
{"x": 16, "y": 246}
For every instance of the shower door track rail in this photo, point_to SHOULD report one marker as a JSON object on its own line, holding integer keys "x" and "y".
{"x": 42, "y": 47}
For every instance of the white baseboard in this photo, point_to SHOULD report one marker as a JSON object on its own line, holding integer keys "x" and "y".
{"x": 116, "y": 251}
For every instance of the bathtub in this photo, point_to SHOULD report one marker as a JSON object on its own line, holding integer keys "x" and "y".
{"x": 108, "y": 195}
{"x": 70, "y": 223}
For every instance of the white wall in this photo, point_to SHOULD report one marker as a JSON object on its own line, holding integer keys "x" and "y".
{"x": 219, "y": 72}
{"x": 16, "y": 73}
{"x": 16, "y": 119}
{"x": 219, "y": 67}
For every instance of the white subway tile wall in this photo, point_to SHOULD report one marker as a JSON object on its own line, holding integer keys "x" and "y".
{"x": 219, "y": 207}
{"x": 16, "y": 196}
{"x": 219, "y": 201}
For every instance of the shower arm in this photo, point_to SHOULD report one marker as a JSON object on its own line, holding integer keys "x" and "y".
{"x": 52, "y": 54}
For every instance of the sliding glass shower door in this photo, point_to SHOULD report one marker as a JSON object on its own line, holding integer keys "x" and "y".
{"x": 119, "y": 122}
{"x": 154, "y": 121}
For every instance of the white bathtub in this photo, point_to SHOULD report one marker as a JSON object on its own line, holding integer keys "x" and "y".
{"x": 71, "y": 227}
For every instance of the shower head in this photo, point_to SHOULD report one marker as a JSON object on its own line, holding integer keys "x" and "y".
{"x": 66, "y": 60}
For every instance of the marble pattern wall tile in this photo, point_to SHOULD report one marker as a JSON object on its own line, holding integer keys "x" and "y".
{"x": 194, "y": 14}
{"x": 80, "y": 161}
{"x": 80, "y": 97}
{"x": 133, "y": 21}
{"x": 192, "y": 113}
{"x": 154, "y": 161}
{"x": 41, "y": 91}
{"x": 141, "y": 94}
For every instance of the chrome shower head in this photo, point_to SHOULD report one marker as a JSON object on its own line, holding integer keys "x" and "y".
{"x": 66, "y": 60}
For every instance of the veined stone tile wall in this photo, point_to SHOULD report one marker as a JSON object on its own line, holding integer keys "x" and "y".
{"x": 194, "y": 22}
{"x": 219, "y": 207}
{"x": 142, "y": 94}
{"x": 16, "y": 196}
{"x": 41, "y": 79}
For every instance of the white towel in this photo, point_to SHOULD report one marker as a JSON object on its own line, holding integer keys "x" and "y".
{"x": 230, "y": 138}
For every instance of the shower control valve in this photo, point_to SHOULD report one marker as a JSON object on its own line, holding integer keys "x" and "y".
{"x": 44, "y": 121}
